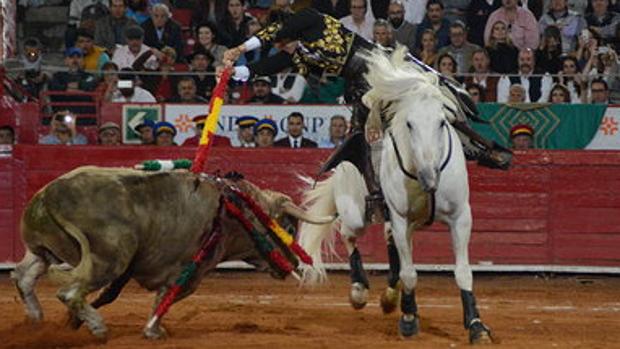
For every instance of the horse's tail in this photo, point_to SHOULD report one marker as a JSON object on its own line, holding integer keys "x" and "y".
{"x": 319, "y": 200}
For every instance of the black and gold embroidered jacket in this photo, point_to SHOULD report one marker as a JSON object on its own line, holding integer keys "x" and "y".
{"x": 324, "y": 44}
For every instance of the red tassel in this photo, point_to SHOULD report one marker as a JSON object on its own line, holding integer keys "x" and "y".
{"x": 301, "y": 253}
{"x": 280, "y": 261}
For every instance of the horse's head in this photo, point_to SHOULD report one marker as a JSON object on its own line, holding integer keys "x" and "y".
{"x": 414, "y": 110}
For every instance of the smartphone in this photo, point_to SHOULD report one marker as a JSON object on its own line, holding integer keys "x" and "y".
{"x": 602, "y": 50}
{"x": 124, "y": 84}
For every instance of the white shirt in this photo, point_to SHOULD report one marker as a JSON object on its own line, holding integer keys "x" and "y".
{"x": 364, "y": 29}
{"x": 296, "y": 91}
{"x": 140, "y": 95}
{"x": 292, "y": 140}
{"x": 415, "y": 10}
{"x": 503, "y": 88}
{"x": 125, "y": 58}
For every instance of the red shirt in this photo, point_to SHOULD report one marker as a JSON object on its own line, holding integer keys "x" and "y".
{"x": 218, "y": 141}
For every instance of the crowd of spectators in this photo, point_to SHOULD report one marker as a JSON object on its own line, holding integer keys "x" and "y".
{"x": 561, "y": 51}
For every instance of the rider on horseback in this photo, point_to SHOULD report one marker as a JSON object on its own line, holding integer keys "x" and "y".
{"x": 318, "y": 43}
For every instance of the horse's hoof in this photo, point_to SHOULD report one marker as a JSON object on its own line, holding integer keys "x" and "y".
{"x": 155, "y": 333}
{"x": 358, "y": 296}
{"x": 479, "y": 333}
{"x": 408, "y": 326}
{"x": 389, "y": 300}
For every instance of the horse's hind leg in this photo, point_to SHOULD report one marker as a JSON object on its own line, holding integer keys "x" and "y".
{"x": 25, "y": 277}
{"x": 460, "y": 230}
{"x": 390, "y": 297}
{"x": 359, "y": 280}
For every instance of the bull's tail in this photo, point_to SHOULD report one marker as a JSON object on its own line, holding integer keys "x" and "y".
{"x": 319, "y": 200}
{"x": 84, "y": 269}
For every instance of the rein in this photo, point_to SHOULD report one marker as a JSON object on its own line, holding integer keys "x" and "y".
{"x": 412, "y": 176}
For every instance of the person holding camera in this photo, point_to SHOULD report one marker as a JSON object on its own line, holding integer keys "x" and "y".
{"x": 33, "y": 80}
{"x": 63, "y": 131}
{"x": 127, "y": 91}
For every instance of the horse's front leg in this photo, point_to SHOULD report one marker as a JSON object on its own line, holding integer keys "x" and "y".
{"x": 390, "y": 297}
{"x": 359, "y": 280}
{"x": 409, "y": 323}
{"x": 460, "y": 231}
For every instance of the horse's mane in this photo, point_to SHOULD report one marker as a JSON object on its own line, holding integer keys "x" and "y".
{"x": 393, "y": 79}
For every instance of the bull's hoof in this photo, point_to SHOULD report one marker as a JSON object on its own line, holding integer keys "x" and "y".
{"x": 389, "y": 300}
{"x": 408, "y": 326}
{"x": 100, "y": 332}
{"x": 155, "y": 333}
{"x": 479, "y": 333}
{"x": 358, "y": 296}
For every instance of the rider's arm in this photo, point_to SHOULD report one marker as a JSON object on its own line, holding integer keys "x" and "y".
{"x": 266, "y": 66}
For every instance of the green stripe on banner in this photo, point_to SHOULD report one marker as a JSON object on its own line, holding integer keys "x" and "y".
{"x": 557, "y": 126}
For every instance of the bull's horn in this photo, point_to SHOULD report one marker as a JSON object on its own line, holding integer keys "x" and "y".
{"x": 297, "y": 212}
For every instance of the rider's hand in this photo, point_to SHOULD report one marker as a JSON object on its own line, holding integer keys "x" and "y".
{"x": 231, "y": 55}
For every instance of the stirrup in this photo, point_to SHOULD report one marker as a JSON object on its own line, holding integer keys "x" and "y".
{"x": 376, "y": 209}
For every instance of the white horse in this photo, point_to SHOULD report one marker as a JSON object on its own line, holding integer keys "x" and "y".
{"x": 419, "y": 147}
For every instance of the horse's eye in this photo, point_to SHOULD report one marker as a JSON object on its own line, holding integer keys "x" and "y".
{"x": 409, "y": 125}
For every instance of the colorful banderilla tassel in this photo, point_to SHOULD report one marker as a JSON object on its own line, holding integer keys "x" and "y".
{"x": 275, "y": 259}
{"x": 164, "y": 165}
{"x": 208, "y": 132}
{"x": 271, "y": 224}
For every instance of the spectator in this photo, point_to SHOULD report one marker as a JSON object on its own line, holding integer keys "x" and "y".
{"x": 358, "y": 21}
{"x": 337, "y": 132}
{"x": 571, "y": 77}
{"x": 435, "y": 22}
{"x": 522, "y": 25}
{"x": 186, "y": 92}
{"x": 548, "y": 55}
{"x": 145, "y": 131}
{"x": 265, "y": 132}
{"x": 295, "y": 139}
{"x": 62, "y": 130}
{"x": 261, "y": 86}
{"x": 162, "y": 85}
{"x": 382, "y": 33}
{"x": 204, "y": 73}
{"x": 599, "y": 91}
{"x": 560, "y": 94}
{"x": 109, "y": 83}
{"x": 160, "y": 30}
{"x": 478, "y": 14}
{"x": 7, "y": 135}
{"x": 569, "y": 22}
{"x": 482, "y": 75}
{"x": 110, "y": 29}
{"x": 325, "y": 90}
{"x": 245, "y": 131}
{"x": 125, "y": 56}
{"x": 602, "y": 61}
{"x": 94, "y": 56}
{"x": 460, "y": 49}
{"x": 428, "y": 50}
{"x": 138, "y": 10}
{"x": 234, "y": 27}
{"x": 204, "y": 11}
{"x": 537, "y": 88}
{"x": 602, "y": 20}
{"x": 164, "y": 133}
{"x": 289, "y": 85}
{"x": 33, "y": 80}
{"x": 84, "y": 13}
{"x": 404, "y": 32}
{"x": 522, "y": 137}
{"x": 516, "y": 94}
{"x": 206, "y": 35}
{"x": 476, "y": 92}
{"x": 194, "y": 141}
{"x": 336, "y": 9}
{"x": 446, "y": 65}
{"x": 75, "y": 79}
{"x": 503, "y": 54}
{"x": 127, "y": 90}
{"x": 109, "y": 134}
{"x": 254, "y": 56}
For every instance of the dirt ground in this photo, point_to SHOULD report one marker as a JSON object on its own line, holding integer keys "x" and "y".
{"x": 251, "y": 310}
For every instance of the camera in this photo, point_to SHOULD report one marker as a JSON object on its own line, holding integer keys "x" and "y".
{"x": 601, "y": 50}
{"x": 124, "y": 84}
{"x": 64, "y": 118}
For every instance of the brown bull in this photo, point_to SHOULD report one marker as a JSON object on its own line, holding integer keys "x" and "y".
{"x": 111, "y": 225}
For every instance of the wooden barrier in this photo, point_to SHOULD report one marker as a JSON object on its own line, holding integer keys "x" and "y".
{"x": 553, "y": 208}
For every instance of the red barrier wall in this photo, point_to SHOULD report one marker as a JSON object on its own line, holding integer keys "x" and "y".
{"x": 551, "y": 208}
